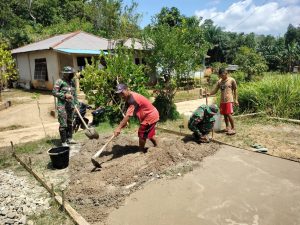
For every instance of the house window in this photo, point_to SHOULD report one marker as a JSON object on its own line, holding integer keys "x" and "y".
{"x": 137, "y": 61}
{"x": 81, "y": 61}
{"x": 40, "y": 69}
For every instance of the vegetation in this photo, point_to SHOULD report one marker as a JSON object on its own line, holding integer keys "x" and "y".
{"x": 178, "y": 45}
{"x": 7, "y": 67}
{"x": 250, "y": 62}
{"x": 23, "y": 22}
{"x": 278, "y": 95}
{"x": 178, "y": 48}
{"x": 100, "y": 84}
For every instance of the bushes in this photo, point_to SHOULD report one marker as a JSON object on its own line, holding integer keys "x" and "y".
{"x": 277, "y": 95}
{"x": 166, "y": 108}
{"x": 99, "y": 84}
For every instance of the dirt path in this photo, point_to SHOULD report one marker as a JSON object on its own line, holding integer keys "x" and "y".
{"x": 24, "y": 122}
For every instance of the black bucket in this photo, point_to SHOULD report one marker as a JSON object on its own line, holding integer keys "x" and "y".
{"x": 59, "y": 157}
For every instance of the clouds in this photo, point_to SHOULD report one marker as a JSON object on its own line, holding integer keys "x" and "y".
{"x": 273, "y": 17}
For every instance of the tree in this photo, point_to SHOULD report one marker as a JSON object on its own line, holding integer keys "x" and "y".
{"x": 292, "y": 35}
{"x": 169, "y": 16}
{"x": 7, "y": 67}
{"x": 290, "y": 56}
{"x": 269, "y": 48}
{"x": 176, "y": 51}
{"x": 250, "y": 62}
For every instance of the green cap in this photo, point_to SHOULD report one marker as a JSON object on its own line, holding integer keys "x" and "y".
{"x": 68, "y": 69}
{"x": 213, "y": 109}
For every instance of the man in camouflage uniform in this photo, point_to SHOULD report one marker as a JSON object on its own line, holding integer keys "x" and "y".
{"x": 65, "y": 91}
{"x": 202, "y": 122}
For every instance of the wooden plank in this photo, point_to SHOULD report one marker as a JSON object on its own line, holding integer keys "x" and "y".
{"x": 75, "y": 216}
{"x": 250, "y": 114}
{"x": 284, "y": 119}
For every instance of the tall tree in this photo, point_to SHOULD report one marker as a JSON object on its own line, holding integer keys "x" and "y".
{"x": 250, "y": 62}
{"x": 169, "y": 16}
{"x": 176, "y": 51}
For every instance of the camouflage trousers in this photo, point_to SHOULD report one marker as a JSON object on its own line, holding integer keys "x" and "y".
{"x": 201, "y": 129}
{"x": 65, "y": 119}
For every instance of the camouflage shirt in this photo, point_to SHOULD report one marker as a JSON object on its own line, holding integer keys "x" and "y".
{"x": 201, "y": 121}
{"x": 63, "y": 87}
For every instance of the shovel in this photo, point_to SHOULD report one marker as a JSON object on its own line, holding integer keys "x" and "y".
{"x": 93, "y": 159}
{"x": 91, "y": 133}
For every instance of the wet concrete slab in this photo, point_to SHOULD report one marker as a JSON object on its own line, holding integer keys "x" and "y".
{"x": 232, "y": 187}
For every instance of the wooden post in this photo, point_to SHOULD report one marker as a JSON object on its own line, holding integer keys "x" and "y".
{"x": 206, "y": 99}
{"x": 63, "y": 199}
{"x": 52, "y": 191}
{"x": 29, "y": 162}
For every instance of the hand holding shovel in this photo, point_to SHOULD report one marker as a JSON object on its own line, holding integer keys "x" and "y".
{"x": 93, "y": 159}
{"x": 91, "y": 133}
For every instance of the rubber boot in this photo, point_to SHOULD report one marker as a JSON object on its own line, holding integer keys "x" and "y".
{"x": 70, "y": 140}
{"x": 63, "y": 136}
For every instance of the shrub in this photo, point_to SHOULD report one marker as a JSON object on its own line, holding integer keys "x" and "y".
{"x": 166, "y": 108}
{"x": 278, "y": 95}
{"x": 99, "y": 84}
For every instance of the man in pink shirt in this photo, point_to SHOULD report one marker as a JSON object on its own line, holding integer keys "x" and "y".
{"x": 142, "y": 108}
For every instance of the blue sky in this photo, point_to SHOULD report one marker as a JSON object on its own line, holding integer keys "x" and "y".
{"x": 258, "y": 16}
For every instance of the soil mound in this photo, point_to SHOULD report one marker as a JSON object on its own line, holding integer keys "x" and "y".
{"x": 125, "y": 169}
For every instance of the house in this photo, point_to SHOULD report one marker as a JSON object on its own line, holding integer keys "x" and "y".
{"x": 39, "y": 64}
{"x": 232, "y": 68}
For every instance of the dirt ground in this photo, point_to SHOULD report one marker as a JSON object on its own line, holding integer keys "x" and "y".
{"x": 125, "y": 169}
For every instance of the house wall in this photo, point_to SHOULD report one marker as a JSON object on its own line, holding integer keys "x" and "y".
{"x": 52, "y": 68}
{"x": 26, "y": 67}
{"x": 65, "y": 60}
{"x": 22, "y": 60}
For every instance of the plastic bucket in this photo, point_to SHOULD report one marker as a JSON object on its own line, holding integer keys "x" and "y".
{"x": 59, "y": 157}
{"x": 218, "y": 122}
{"x": 186, "y": 118}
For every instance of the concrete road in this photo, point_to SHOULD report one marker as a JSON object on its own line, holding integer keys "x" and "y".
{"x": 232, "y": 187}
{"x": 192, "y": 105}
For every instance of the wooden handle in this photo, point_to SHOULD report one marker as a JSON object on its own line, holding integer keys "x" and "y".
{"x": 206, "y": 96}
{"x": 82, "y": 120}
{"x": 103, "y": 147}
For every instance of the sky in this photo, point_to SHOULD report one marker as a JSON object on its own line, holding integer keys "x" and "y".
{"x": 258, "y": 16}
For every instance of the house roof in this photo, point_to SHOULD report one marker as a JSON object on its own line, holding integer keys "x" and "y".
{"x": 77, "y": 41}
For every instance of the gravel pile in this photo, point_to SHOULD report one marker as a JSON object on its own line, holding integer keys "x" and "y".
{"x": 19, "y": 198}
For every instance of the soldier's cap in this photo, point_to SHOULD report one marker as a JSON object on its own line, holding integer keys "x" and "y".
{"x": 68, "y": 69}
{"x": 120, "y": 88}
{"x": 213, "y": 109}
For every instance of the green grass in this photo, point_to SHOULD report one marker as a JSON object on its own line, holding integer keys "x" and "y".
{"x": 52, "y": 216}
{"x": 276, "y": 94}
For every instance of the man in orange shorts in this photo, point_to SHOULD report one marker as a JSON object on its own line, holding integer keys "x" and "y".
{"x": 229, "y": 98}
{"x": 142, "y": 108}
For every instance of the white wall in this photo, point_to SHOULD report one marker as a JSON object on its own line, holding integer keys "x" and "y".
{"x": 26, "y": 66}
{"x": 51, "y": 60}
{"x": 23, "y": 69}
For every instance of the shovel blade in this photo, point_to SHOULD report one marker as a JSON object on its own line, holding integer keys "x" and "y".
{"x": 91, "y": 133}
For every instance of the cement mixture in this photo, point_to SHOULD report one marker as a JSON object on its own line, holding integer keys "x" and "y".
{"x": 125, "y": 170}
